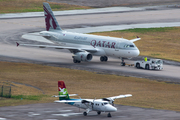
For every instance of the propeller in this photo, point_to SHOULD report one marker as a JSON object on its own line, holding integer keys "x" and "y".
{"x": 93, "y": 102}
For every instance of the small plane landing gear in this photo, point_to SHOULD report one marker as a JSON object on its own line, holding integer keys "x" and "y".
{"x": 98, "y": 112}
{"x": 85, "y": 113}
{"x": 109, "y": 115}
{"x": 123, "y": 63}
{"x": 76, "y": 61}
{"x": 104, "y": 58}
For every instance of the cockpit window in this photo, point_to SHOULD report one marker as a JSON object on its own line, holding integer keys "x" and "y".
{"x": 127, "y": 46}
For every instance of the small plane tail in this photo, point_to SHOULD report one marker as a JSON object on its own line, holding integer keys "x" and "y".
{"x": 63, "y": 94}
{"x": 51, "y": 22}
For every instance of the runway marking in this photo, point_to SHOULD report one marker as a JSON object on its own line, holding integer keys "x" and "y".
{"x": 50, "y": 119}
{"x": 2, "y": 118}
{"x": 65, "y": 110}
{"x": 67, "y": 115}
{"x": 31, "y": 114}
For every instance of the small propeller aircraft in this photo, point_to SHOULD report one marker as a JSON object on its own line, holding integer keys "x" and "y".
{"x": 99, "y": 105}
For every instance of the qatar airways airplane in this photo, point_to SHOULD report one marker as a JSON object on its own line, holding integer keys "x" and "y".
{"x": 85, "y": 46}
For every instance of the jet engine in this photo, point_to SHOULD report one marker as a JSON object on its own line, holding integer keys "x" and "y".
{"x": 83, "y": 56}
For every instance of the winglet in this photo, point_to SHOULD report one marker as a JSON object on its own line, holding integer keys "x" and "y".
{"x": 17, "y": 44}
{"x": 136, "y": 39}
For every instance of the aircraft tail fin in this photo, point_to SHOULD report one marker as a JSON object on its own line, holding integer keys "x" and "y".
{"x": 63, "y": 94}
{"x": 51, "y": 22}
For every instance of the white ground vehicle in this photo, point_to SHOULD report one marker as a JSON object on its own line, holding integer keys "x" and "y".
{"x": 150, "y": 64}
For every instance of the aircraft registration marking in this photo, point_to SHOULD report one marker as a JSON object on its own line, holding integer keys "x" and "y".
{"x": 80, "y": 38}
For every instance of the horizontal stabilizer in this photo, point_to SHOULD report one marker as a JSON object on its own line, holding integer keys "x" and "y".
{"x": 64, "y": 95}
{"x": 67, "y": 101}
{"x": 73, "y": 94}
{"x": 59, "y": 95}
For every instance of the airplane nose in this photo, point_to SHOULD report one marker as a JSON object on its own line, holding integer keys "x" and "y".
{"x": 111, "y": 109}
{"x": 137, "y": 52}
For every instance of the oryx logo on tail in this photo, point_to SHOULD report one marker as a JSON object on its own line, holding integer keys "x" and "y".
{"x": 51, "y": 23}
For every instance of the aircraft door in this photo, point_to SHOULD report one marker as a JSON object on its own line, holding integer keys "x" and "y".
{"x": 97, "y": 106}
{"x": 117, "y": 46}
{"x": 103, "y": 107}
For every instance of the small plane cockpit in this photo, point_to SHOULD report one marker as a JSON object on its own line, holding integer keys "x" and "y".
{"x": 104, "y": 103}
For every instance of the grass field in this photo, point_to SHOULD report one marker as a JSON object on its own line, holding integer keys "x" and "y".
{"x": 30, "y": 81}
{"x": 18, "y": 6}
{"x": 161, "y": 43}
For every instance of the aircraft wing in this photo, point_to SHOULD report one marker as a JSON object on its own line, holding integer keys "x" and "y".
{"x": 59, "y": 47}
{"x": 116, "y": 97}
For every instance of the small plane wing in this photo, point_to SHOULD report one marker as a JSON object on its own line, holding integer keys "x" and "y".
{"x": 116, "y": 97}
{"x": 59, "y": 47}
{"x": 136, "y": 39}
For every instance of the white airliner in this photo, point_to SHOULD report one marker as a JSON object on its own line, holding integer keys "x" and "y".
{"x": 99, "y": 105}
{"x": 85, "y": 46}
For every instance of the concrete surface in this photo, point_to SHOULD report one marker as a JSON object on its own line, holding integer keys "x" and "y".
{"x": 57, "y": 111}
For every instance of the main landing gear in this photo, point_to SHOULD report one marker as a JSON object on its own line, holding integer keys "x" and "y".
{"x": 85, "y": 113}
{"x": 104, "y": 58}
{"x": 76, "y": 61}
{"x": 98, "y": 112}
{"x": 123, "y": 63}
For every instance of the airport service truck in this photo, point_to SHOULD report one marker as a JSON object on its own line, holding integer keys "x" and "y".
{"x": 150, "y": 64}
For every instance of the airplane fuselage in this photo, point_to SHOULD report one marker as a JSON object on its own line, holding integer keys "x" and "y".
{"x": 105, "y": 46}
{"x": 98, "y": 105}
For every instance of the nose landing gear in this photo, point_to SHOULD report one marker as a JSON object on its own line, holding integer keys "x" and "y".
{"x": 109, "y": 115}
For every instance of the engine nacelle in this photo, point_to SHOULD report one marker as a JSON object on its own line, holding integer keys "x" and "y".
{"x": 83, "y": 56}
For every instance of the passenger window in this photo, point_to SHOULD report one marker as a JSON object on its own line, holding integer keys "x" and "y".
{"x": 105, "y": 103}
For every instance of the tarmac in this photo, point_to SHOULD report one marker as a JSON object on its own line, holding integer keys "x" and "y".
{"x": 58, "y": 111}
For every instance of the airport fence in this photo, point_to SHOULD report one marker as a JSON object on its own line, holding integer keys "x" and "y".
{"x": 5, "y": 91}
